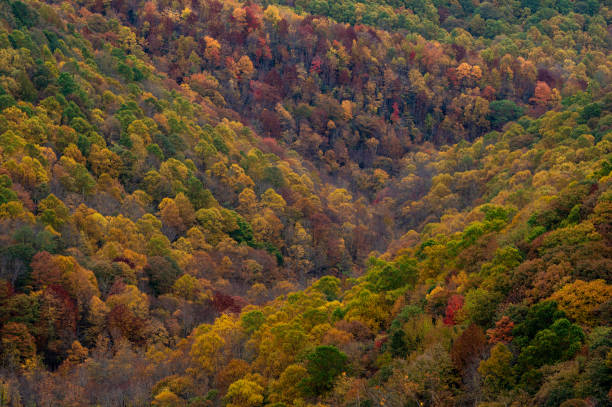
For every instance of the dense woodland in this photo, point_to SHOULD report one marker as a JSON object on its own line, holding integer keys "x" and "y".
{"x": 306, "y": 203}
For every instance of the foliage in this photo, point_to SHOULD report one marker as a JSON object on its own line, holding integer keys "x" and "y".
{"x": 323, "y": 365}
{"x": 305, "y": 203}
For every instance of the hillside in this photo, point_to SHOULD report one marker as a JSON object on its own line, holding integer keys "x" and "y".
{"x": 305, "y": 203}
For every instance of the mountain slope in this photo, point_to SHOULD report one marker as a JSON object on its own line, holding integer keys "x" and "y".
{"x": 224, "y": 203}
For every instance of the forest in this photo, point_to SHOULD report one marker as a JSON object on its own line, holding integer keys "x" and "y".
{"x": 305, "y": 203}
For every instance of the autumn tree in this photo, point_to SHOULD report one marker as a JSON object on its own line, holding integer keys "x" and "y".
{"x": 244, "y": 393}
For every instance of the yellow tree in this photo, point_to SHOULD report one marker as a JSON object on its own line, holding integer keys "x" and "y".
{"x": 206, "y": 350}
{"x": 167, "y": 398}
{"x": 132, "y": 298}
{"x": 103, "y": 160}
{"x": 273, "y": 200}
{"x": 247, "y": 202}
{"x": 285, "y": 389}
{"x": 244, "y": 393}
{"x": 212, "y": 52}
{"x": 244, "y": 68}
{"x": 582, "y": 299}
{"x": 177, "y": 214}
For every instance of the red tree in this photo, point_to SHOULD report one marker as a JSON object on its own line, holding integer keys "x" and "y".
{"x": 455, "y": 303}
{"x": 502, "y": 331}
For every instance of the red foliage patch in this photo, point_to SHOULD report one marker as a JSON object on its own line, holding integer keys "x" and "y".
{"x": 231, "y": 303}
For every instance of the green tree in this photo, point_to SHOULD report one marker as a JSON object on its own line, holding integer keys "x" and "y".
{"x": 480, "y": 306}
{"x": 496, "y": 371}
{"x": 329, "y": 286}
{"x": 539, "y": 316}
{"x": 163, "y": 272}
{"x": 252, "y": 320}
{"x": 323, "y": 365}
{"x": 557, "y": 343}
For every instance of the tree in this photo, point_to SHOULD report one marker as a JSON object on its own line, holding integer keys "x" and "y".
{"x": 581, "y": 300}
{"x": 177, "y": 214}
{"x": 124, "y": 324}
{"x": 244, "y": 68}
{"x": 503, "y": 111}
{"x": 502, "y": 331}
{"x": 287, "y": 387}
{"x": 391, "y": 276}
{"x": 64, "y": 271}
{"x": 544, "y": 96}
{"x": 163, "y": 272}
{"x": 17, "y": 342}
{"x": 233, "y": 371}
{"x": 213, "y": 50}
{"x": 455, "y": 302}
{"x": 468, "y": 347}
{"x": 329, "y": 286}
{"x": 398, "y": 344}
{"x": 244, "y": 393}
{"x": 129, "y": 296}
{"x": 187, "y": 287}
{"x": 53, "y": 211}
{"x": 557, "y": 343}
{"x": 252, "y": 320}
{"x": 480, "y": 305}
{"x": 496, "y": 371}
{"x": 323, "y": 365}
{"x": 57, "y": 324}
{"x": 167, "y": 398}
{"x": 206, "y": 351}
{"x": 102, "y": 160}
{"x": 538, "y": 317}
{"x": 67, "y": 83}
{"x": 272, "y": 200}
